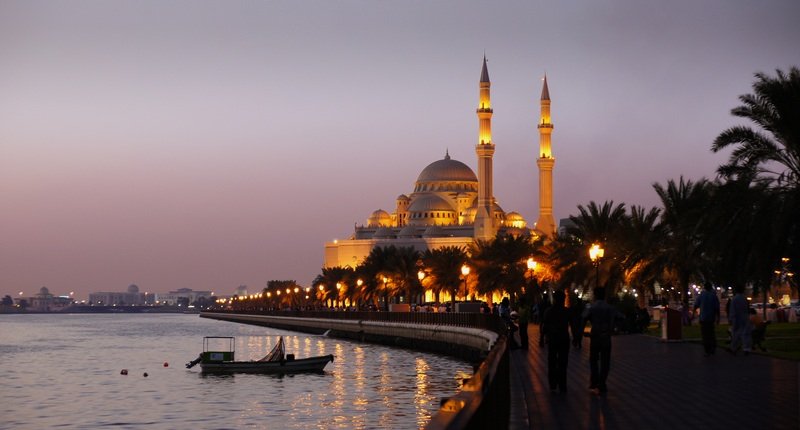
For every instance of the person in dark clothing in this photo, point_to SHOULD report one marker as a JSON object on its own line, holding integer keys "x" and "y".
{"x": 555, "y": 325}
{"x": 524, "y": 317}
{"x": 576, "y": 322}
{"x": 602, "y": 316}
{"x": 542, "y": 309}
{"x": 708, "y": 303}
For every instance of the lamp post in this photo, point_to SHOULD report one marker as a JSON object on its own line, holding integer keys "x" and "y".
{"x": 338, "y": 291}
{"x": 421, "y": 276}
{"x": 531, "y": 273}
{"x": 596, "y": 253}
{"x": 465, "y": 272}
{"x": 359, "y": 283}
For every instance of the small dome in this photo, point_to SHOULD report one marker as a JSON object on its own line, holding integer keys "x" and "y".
{"x": 447, "y": 170}
{"x": 379, "y": 218}
{"x": 408, "y": 231}
{"x": 403, "y": 197}
{"x": 434, "y": 231}
{"x": 133, "y": 288}
{"x": 383, "y": 233}
{"x": 44, "y": 291}
{"x": 429, "y": 202}
{"x": 515, "y": 220}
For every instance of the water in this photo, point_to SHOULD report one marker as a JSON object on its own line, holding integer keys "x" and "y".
{"x": 63, "y": 371}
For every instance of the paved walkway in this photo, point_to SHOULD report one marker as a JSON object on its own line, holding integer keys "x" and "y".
{"x": 656, "y": 385}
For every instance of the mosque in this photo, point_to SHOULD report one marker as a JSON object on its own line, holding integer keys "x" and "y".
{"x": 450, "y": 205}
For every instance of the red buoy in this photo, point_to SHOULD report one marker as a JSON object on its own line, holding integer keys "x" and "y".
{"x": 145, "y": 374}
{"x": 123, "y": 372}
{"x": 166, "y": 364}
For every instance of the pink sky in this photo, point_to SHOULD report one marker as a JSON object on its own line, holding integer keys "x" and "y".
{"x": 206, "y": 145}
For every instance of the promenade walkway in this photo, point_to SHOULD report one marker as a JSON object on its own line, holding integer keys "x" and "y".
{"x": 656, "y": 385}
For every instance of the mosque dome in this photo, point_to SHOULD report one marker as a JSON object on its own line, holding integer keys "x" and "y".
{"x": 408, "y": 231}
{"x": 384, "y": 233}
{"x": 379, "y": 218}
{"x": 44, "y": 291}
{"x": 430, "y": 209}
{"x": 515, "y": 220}
{"x": 403, "y": 197}
{"x": 447, "y": 170}
{"x": 133, "y": 288}
{"x": 472, "y": 211}
{"x": 429, "y": 202}
{"x": 434, "y": 231}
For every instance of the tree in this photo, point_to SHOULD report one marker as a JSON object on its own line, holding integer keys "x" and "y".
{"x": 683, "y": 255}
{"x": 442, "y": 268}
{"x": 775, "y": 107}
{"x": 7, "y": 300}
{"x": 765, "y": 165}
{"x": 329, "y": 279}
{"x": 501, "y": 263}
{"x": 642, "y": 237}
{"x": 595, "y": 224}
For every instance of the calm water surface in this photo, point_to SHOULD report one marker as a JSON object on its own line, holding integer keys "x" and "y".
{"x": 63, "y": 371}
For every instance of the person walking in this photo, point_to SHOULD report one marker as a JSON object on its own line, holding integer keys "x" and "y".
{"x": 556, "y": 329}
{"x": 708, "y": 303}
{"x": 602, "y": 316}
{"x": 576, "y": 321}
{"x": 739, "y": 318}
{"x": 524, "y": 314}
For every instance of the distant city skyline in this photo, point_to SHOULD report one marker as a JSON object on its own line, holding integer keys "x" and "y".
{"x": 210, "y": 145}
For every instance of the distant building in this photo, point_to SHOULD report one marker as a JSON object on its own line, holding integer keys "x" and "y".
{"x": 181, "y": 295}
{"x": 132, "y": 297}
{"x": 46, "y": 302}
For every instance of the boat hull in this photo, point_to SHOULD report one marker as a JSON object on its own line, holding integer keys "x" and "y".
{"x": 311, "y": 364}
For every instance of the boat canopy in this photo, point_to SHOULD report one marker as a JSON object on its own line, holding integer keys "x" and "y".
{"x": 277, "y": 353}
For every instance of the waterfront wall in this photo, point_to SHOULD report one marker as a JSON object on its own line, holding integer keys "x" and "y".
{"x": 470, "y": 343}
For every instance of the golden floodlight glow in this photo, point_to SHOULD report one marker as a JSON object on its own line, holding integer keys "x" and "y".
{"x": 532, "y": 264}
{"x": 269, "y": 294}
{"x": 321, "y": 287}
{"x": 278, "y": 292}
{"x": 296, "y": 289}
{"x": 288, "y": 291}
{"x": 359, "y": 282}
{"x": 465, "y": 270}
{"x": 338, "y": 286}
{"x": 596, "y": 252}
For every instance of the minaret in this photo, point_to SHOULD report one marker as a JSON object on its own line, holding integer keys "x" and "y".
{"x": 484, "y": 222}
{"x": 546, "y": 224}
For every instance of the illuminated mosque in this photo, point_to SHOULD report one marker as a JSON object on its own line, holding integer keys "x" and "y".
{"x": 450, "y": 205}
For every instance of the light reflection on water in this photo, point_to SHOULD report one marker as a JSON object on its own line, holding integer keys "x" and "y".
{"x": 64, "y": 370}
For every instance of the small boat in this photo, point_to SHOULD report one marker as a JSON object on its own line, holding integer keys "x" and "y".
{"x": 277, "y": 361}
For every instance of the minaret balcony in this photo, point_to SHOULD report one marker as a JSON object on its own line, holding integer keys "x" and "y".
{"x": 484, "y": 110}
{"x": 545, "y": 126}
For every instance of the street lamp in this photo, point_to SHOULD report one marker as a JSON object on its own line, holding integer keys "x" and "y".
{"x": 465, "y": 272}
{"x": 596, "y": 254}
{"x": 531, "y": 271}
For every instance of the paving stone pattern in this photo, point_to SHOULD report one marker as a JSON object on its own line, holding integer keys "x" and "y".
{"x": 657, "y": 385}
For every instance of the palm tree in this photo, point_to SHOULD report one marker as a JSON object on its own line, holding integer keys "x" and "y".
{"x": 500, "y": 264}
{"x": 442, "y": 268}
{"x": 775, "y": 108}
{"x": 332, "y": 279}
{"x": 403, "y": 265}
{"x": 642, "y": 236}
{"x": 683, "y": 255}
{"x": 766, "y": 161}
{"x": 594, "y": 224}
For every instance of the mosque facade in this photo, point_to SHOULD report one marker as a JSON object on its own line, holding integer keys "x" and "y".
{"x": 450, "y": 205}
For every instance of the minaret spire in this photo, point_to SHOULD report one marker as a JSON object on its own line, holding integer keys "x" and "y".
{"x": 546, "y": 224}
{"x": 484, "y": 222}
